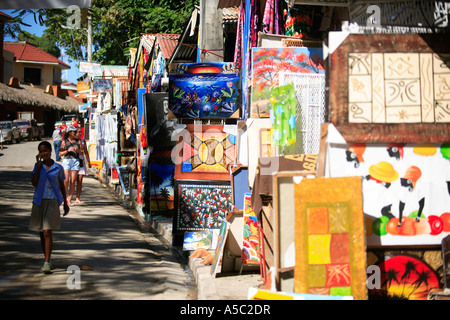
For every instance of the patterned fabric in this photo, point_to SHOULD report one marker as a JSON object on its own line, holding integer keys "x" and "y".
{"x": 238, "y": 46}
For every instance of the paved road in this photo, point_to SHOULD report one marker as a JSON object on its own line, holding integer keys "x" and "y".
{"x": 110, "y": 255}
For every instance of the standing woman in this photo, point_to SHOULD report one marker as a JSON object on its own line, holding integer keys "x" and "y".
{"x": 70, "y": 152}
{"x": 48, "y": 178}
{"x": 86, "y": 161}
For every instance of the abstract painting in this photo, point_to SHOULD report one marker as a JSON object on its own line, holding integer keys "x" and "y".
{"x": 270, "y": 63}
{"x": 398, "y": 88}
{"x": 201, "y": 206}
{"x": 390, "y": 88}
{"x": 204, "y": 90}
{"x": 330, "y": 252}
{"x": 205, "y": 153}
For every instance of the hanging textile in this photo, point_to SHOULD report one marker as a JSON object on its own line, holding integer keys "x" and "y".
{"x": 240, "y": 30}
{"x": 271, "y": 19}
{"x": 254, "y": 23}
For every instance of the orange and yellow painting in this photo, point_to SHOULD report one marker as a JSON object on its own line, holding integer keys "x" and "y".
{"x": 329, "y": 237}
{"x": 405, "y": 278}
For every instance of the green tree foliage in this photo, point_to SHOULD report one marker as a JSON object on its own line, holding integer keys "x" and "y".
{"x": 116, "y": 26}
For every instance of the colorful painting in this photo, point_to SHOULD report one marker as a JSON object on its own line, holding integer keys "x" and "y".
{"x": 330, "y": 253}
{"x": 205, "y": 153}
{"x": 395, "y": 88}
{"x": 204, "y": 90}
{"x": 201, "y": 206}
{"x": 404, "y": 278}
{"x": 218, "y": 254}
{"x": 251, "y": 241}
{"x": 162, "y": 187}
{"x": 205, "y": 239}
{"x": 282, "y": 114}
{"x": 405, "y": 186}
{"x": 270, "y": 63}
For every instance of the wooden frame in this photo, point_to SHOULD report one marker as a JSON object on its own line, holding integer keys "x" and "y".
{"x": 339, "y": 92}
{"x": 284, "y": 219}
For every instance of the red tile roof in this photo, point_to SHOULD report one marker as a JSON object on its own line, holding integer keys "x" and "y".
{"x": 26, "y": 52}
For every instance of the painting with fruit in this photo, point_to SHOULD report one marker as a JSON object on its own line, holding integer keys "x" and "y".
{"x": 406, "y": 189}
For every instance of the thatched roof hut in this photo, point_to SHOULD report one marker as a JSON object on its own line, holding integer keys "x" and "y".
{"x": 28, "y": 95}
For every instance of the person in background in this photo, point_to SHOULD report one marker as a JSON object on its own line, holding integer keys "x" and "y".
{"x": 86, "y": 162}
{"x": 57, "y": 140}
{"x": 48, "y": 179}
{"x": 1, "y": 138}
{"x": 63, "y": 129}
{"x": 70, "y": 151}
{"x": 75, "y": 122}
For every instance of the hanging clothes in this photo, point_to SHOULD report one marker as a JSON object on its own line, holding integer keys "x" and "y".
{"x": 240, "y": 30}
{"x": 272, "y": 18}
{"x": 110, "y": 135}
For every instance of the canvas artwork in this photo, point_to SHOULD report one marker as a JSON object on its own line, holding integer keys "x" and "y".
{"x": 205, "y": 239}
{"x": 330, "y": 254}
{"x": 251, "y": 241}
{"x": 406, "y": 189}
{"x": 204, "y": 90}
{"x": 406, "y": 278}
{"x": 205, "y": 153}
{"x": 218, "y": 254}
{"x": 201, "y": 206}
{"x": 270, "y": 63}
{"x": 396, "y": 87}
{"x": 162, "y": 187}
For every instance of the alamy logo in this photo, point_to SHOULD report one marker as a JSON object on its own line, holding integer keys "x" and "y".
{"x": 74, "y": 17}
{"x": 74, "y": 280}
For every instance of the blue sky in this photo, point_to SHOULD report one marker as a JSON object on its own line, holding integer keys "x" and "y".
{"x": 70, "y": 75}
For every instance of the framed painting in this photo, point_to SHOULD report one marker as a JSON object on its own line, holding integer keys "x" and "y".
{"x": 161, "y": 187}
{"x": 201, "y": 206}
{"x": 405, "y": 188}
{"x": 330, "y": 252}
{"x": 395, "y": 88}
{"x": 204, "y": 90}
{"x": 204, "y": 153}
{"x": 270, "y": 63}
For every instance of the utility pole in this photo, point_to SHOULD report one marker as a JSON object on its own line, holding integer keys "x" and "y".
{"x": 89, "y": 38}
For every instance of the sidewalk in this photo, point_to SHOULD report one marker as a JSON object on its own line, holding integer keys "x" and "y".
{"x": 223, "y": 286}
{"x": 110, "y": 257}
{"x": 226, "y": 286}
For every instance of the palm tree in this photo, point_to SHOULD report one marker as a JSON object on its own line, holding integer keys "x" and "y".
{"x": 165, "y": 194}
{"x": 155, "y": 181}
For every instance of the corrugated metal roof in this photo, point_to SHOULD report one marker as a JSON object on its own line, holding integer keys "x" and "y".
{"x": 167, "y": 43}
{"x": 228, "y": 3}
